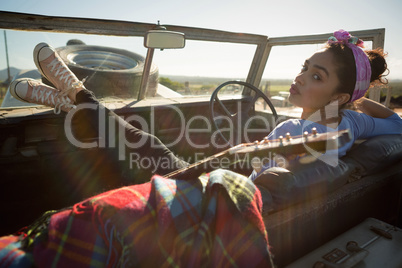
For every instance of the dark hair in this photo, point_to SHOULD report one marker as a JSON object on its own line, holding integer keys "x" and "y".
{"x": 346, "y": 66}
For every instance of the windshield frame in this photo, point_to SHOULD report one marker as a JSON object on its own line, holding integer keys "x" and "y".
{"x": 264, "y": 44}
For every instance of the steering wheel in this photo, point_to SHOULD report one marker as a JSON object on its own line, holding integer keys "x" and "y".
{"x": 236, "y": 122}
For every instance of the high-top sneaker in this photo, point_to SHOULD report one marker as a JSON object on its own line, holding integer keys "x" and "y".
{"x": 34, "y": 91}
{"x": 51, "y": 66}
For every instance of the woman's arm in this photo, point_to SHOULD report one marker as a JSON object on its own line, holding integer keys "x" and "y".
{"x": 373, "y": 108}
{"x": 374, "y": 120}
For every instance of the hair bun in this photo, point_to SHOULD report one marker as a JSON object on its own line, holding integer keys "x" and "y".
{"x": 378, "y": 65}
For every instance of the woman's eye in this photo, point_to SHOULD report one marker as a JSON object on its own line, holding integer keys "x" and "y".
{"x": 304, "y": 68}
{"x": 316, "y": 77}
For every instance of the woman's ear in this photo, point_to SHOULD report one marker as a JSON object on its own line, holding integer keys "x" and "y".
{"x": 342, "y": 98}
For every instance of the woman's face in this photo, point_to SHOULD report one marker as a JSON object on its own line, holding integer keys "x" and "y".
{"x": 314, "y": 87}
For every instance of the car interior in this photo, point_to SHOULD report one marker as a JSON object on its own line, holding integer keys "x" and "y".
{"x": 305, "y": 205}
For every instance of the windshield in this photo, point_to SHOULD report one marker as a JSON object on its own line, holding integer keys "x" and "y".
{"x": 112, "y": 66}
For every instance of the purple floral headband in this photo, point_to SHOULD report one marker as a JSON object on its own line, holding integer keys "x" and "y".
{"x": 363, "y": 68}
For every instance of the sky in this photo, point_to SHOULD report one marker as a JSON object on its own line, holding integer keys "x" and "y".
{"x": 266, "y": 17}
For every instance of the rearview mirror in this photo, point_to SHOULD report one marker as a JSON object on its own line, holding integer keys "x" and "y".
{"x": 164, "y": 39}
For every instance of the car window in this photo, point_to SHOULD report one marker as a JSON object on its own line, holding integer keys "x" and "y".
{"x": 89, "y": 55}
{"x": 201, "y": 66}
{"x": 113, "y": 65}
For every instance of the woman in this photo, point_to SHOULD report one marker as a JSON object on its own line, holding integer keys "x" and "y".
{"x": 332, "y": 79}
{"x": 330, "y": 76}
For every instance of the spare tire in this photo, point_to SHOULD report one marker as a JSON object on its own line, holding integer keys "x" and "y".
{"x": 109, "y": 71}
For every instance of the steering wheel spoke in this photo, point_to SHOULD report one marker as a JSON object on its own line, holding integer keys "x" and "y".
{"x": 251, "y": 105}
{"x": 238, "y": 119}
{"x": 223, "y": 107}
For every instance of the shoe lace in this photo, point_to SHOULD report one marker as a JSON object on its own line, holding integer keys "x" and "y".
{"x": 48, "y": 96}
{"x": 74, "y": 86}
{"x": 63, "y": 73}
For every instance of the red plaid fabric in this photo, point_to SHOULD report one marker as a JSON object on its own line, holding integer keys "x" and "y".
{"x": 213, "y": 221}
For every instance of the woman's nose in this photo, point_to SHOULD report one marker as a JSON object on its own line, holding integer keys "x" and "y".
{"x": 299, "y": 79}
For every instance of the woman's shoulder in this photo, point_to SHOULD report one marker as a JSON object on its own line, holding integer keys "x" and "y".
{"x": 298, "y": 127}
{"x": 348, "y": 112}
{"x": 291, "y": 122}
{"x": 291, "y": 126}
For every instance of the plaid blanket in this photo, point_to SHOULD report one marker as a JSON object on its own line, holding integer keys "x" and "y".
{"x": 214, "y": 221}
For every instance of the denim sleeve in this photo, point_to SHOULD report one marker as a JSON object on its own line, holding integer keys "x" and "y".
{"x": 365, "y": 126}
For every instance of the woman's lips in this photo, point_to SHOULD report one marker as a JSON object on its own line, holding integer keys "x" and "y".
{"x": 293, "y": 90}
